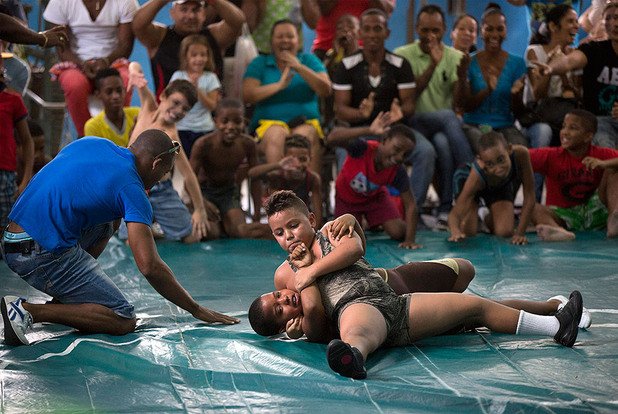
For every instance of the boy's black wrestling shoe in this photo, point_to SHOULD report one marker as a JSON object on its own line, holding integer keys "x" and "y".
{"x": 345, "y": 359}
{"x": 569, "y": 317}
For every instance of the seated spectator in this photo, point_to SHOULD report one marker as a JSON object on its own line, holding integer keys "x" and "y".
{"x": 494, "y": 179}
{"x": 550, "y": 97}
{"x": 582, "y": 182}
{"x": 345, "y": 44}
{"x": 292, "y": 172}
{"x": 330, "y": 12}
{"x": 284, "y": 86}
{"x": 464, "y": 33}
{"x": 13, "y": 114}
{"x": 215, "y": 160}
{"x": 262, "y": 14}
{"x": 40, "y": 157}
{"x": 374, "y": 80}
{"x": 116, "y": 121}
{"x": 599, "y": 61}
{"x": 163, "y": 42}
{"x": 176, "y": 222}
{"x": 196, "y": 66}
{"x": 435, "y": 70}
{"x": 369, "y": 167}
{"x": 100, "y": 36}
{"x": 493, "y": 75}
{"x": 538, "y": 9}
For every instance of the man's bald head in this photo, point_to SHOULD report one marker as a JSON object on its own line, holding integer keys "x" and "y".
{"x": 151, "y": 142}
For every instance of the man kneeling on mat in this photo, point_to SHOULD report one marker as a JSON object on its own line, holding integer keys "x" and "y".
{"x": 352, "y": 302}
{"x": 62, "y": 223}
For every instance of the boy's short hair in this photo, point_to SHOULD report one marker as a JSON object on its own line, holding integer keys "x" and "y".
{"x": 184, "y": 87}
{"x": 229, "y": 103}
{"x": 588, "y": 119}
{"x": 283, "y": 200}
{"x": 296, "y": 141}
{"x": 35, "y": 128}
{"x": 491, "y": 139}
{"x": 104, "y": 73}
{"x": 258, "y": 320}
{"x": 400, "y": 130}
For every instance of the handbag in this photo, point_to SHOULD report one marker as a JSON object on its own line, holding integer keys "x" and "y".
{"x": 244, "y": 53}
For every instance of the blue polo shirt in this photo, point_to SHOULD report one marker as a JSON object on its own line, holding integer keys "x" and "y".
{"x": 295, "y": 100}
{"x": 91, "y": 181}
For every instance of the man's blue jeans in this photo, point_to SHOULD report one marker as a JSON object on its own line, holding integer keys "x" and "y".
{"x": 444, "y": 129}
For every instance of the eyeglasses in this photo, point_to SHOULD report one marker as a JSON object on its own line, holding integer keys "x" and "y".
{"x": 174, "y": 150}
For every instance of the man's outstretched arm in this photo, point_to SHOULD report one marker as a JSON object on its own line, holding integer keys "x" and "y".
{"x": 161, "y": 277}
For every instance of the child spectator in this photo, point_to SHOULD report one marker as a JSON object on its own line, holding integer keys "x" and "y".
{"x": 196, "y": 66}
{"x": 13, "y": 115}
{"x": 292, "y": 173}
{"x": 215, "y": 160}
{"x": 40, "y": 157}
{"x": 368, "y": 168}
{"x": 116, "y": 121}
{"x": 176, "y": 222}
{"x": 495, "y": 176}
{"x": 581, "y": 180}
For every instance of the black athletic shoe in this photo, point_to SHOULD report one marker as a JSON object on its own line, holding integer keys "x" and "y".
{"x": 345, "y": 359}
{"x": 569, "y": 317}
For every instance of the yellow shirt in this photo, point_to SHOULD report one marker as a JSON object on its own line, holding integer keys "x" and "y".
{"x": 99, "y": 126}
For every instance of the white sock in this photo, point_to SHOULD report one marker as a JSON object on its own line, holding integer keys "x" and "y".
{"x": 531, "y": 324}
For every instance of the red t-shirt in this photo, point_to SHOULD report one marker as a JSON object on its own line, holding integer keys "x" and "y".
{"x": 12, "y": 110}
{"x": 359, "y": 180}
{"x": 326, "y": 27}
{"x": 569, "y": 182}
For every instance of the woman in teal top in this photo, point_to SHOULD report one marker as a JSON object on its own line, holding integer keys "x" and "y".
{"x": 284, "y": 87}
{"x": 493, "y": 75}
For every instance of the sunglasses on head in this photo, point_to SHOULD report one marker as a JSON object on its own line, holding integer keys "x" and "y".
{"x": 174, "y": 150}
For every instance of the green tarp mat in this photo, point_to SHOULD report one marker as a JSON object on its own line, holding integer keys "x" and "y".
{"x": 173, "y": 363}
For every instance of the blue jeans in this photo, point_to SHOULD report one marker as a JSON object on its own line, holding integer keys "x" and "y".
{"x": 168, "y": 210}
{"x": 444, "y": 129}
{"x": 539, "y": 135}
{"x": 607, "y": 132}
{"x": 423, "y": 160}
{"x": 72, "y": 276}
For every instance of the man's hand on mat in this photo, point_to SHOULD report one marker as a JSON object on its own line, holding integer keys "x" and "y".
{"x": 211, "y": 316}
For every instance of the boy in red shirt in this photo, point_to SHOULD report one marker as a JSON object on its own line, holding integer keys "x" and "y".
{"x": 581, "y": 179}
{"x": 13, "y": 116}
{"x": 361, "y": 184}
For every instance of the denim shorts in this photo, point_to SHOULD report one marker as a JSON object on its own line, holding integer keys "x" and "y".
{"x": 169, "y": 211}
{"x": 72, "y": 276}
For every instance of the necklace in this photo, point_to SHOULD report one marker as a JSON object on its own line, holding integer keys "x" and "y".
{"x": 97, "y": 6}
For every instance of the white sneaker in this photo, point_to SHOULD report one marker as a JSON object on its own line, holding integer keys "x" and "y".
{"x": 586, "y": 319}
{"x": 16, "y": 319}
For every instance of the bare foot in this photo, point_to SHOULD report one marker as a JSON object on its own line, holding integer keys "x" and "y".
{"x": 612, "y": 224}
{"x": 553, "y": 233}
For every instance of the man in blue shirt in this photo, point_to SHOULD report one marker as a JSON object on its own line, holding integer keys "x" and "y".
{"x": 62, "y": 223}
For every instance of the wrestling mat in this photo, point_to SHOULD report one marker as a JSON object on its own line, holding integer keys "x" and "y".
{"x": 173, "y": 363}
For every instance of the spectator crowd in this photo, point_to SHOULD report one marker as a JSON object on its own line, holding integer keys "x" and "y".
{"x": 479, "y": 124}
